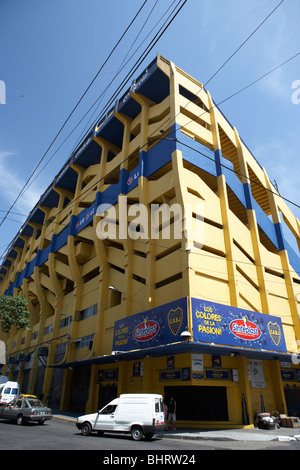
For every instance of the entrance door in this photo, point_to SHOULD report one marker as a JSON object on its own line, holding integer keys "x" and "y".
{"x": 199, "y": 403}
{"x": 292, "y": 398}
{"x": 80, "y": 389}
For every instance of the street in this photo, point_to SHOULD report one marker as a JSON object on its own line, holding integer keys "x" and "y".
{"x": 59, "y": 434}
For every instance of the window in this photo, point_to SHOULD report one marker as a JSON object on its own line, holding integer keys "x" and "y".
{"x": 85, "y": 342}
{"x": 88, "y": 312}
{"x": 65, "y": 322}
{"x": 48, "y": 329}
{"x": 61, "y": 348}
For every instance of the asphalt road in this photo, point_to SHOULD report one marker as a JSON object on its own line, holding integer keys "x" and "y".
{"x": 63, "y": 435}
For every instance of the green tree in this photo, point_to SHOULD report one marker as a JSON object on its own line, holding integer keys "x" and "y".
{"x": 13, "y": 312}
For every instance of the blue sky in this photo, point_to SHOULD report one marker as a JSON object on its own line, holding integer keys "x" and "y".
{"x": 50, "y": 52}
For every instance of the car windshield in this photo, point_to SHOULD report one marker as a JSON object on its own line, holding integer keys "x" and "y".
{"x": 35, "y": 403}
{"x": 7, "y": 390}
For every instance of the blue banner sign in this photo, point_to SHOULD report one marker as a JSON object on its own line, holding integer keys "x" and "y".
{"x": 85, "y": 217}
{"x": 231, "y": 326}
{"x": 217, "y": 374}
{"x": 154, "y": 327}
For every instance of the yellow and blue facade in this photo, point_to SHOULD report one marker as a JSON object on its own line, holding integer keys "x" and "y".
{"x": 108, "y": 315}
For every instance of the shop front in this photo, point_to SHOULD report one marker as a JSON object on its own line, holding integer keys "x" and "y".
{"x": 231, "y": 367}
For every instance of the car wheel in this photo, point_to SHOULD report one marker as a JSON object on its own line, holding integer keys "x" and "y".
{"x": 137, "y": 433}
{"x": 86, "y": 429}
{"x": 19, "y": 420}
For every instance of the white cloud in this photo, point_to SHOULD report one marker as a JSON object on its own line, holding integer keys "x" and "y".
{"x": 11, "y": 183}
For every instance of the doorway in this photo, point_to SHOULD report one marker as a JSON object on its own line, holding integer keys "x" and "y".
{"x": 199, "y": 403}
{"x": 292, "y": 398}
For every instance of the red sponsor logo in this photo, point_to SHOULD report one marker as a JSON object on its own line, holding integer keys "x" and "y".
{"x": 145, "y": 330}
{"x": 245, "y": 329}
{"x": 130, "y": 179}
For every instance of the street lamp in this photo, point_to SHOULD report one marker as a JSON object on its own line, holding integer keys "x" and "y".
{"x": 186, "y": 336}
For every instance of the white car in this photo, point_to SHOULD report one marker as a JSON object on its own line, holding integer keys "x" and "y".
{"x": 140, "y": 414}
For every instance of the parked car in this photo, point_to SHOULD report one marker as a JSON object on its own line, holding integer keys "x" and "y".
{"x": 141, "y": 414}
{"x": 26, "y": 409}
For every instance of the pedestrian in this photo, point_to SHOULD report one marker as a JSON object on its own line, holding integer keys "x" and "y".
{"x": 172, "y": 412}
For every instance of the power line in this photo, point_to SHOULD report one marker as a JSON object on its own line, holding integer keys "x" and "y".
{"x": 75, "y": 107}
{"x": 243, "y": 43}
{"x": 122, "y": 66}
{"x": 207, "y": 156}
{"x": 220, "y": 68}
{"x": 235, "y": 52}
{"x": 129, "y": 75}
{"x": 121, "y": 86}
{"x": 146, "y": 52}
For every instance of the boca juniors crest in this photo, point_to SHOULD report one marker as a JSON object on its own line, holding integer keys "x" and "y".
{"x": 160, "y": 325}
{"x": 175, "y": 320}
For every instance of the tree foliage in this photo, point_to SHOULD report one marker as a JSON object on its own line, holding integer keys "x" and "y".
{"x": 13, "y": 312}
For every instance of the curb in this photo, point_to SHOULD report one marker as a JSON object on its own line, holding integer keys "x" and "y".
{"x": 230, "y": 438}
{"x": 65, "y": 418}
{"x": 195, "y": 437}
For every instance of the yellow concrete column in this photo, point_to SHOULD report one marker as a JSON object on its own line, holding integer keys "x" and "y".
{"x": 222, "y": 192}
{"x": 252, "y": 222}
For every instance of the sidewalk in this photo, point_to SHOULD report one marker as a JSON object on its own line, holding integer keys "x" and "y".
{"x": 244, "y": 434}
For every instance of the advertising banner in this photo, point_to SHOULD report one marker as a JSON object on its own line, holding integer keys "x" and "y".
{"x": 154, "y": 327}
{"x": 231, "y": 326}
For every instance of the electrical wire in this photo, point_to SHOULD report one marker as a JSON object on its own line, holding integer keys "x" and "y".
{"x": 220, "y": 68}
{"x": 74, "y": 109}
{"x": 125, "y": 81}
{"x": 122, "y": 66}
{"x": 79, "y": 141}
{"x": 232, "y": 55}
{"x": 243, "y": 43}
{"x": 146, "y": 52}
{"x": 182, "y": 143}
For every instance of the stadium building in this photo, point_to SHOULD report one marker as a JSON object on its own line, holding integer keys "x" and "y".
{"x": 160, "y": 259}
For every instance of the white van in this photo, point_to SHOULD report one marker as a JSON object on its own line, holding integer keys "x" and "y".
{"x": 8, "y": 391}
{"x": 141, "y": 414}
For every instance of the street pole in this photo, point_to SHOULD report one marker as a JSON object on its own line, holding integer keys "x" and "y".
{"x": 36, "y": 354}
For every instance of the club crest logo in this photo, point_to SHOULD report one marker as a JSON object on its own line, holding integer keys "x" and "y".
{"x": 175, "y": 320}
{"x": 275, "y": 332}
